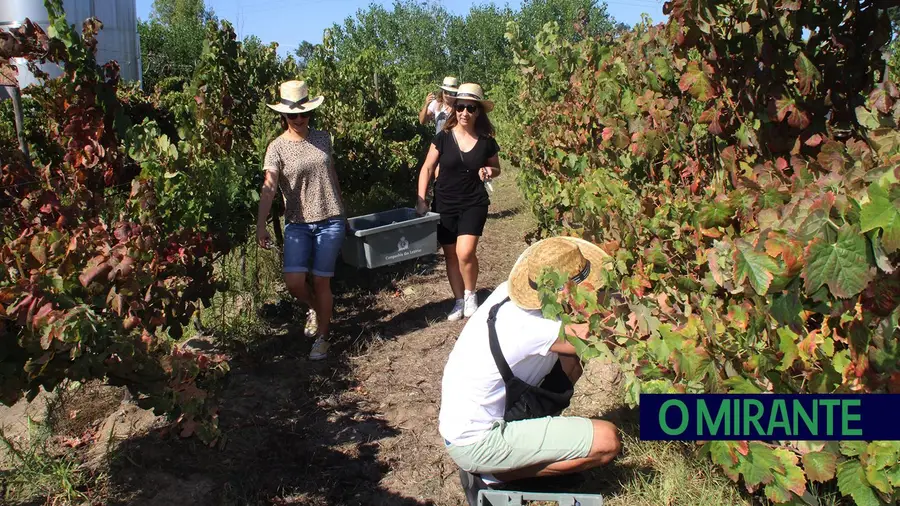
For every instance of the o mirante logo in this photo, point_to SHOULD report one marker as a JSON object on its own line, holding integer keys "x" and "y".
{"x": 810, "y": 417}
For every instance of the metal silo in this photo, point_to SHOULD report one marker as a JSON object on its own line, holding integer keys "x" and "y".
{"x": 118, "y": 40}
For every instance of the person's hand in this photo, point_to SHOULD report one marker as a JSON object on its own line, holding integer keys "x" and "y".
{"x": 579, "y": 330}
{"x": 421, "y": 207}
{"x": 429, "y": 99}
{"x": 263, "y": 238}
{"x": 486, "y": 173}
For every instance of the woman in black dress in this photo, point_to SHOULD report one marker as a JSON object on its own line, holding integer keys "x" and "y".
{"x": 468, "y": 157}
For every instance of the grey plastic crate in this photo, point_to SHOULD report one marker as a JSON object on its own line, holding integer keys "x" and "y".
{"x": 390, "y": 237}
{"x": 508, "y": 498}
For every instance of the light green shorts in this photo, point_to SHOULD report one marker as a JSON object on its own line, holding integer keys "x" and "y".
{"x": 514, "y": 445}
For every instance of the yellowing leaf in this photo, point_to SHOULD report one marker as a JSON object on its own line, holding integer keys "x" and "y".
{"x": 853, "y": 448}
{"x": 695, "y": 81}
{"x": 881, "y": 99}
{"x": 787, "y": 481}
{"x": 38, "y": 250}
{"x": 796, "y": 117}
{"x": 820, "y": 466}
{"x": 787, "y": 344}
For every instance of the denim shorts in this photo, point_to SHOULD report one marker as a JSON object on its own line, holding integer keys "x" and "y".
{"x": 315, "y": 245}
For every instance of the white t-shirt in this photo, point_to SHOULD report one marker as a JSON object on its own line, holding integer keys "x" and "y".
{"x": 440, "y": 113}
{"x": 473, "y": 395}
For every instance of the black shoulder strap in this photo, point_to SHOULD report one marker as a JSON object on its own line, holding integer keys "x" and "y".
{"x": 502, "y": 365}
{"x": 461, "y": 159}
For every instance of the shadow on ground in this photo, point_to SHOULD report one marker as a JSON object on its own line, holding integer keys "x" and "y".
{"x": 293, "y": 431}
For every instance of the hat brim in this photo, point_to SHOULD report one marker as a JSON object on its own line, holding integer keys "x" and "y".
{"x": 487, "y": 105}
{"x": 451, "y": 89}
{"x": 526, "y": 297}
{"x": 292, "y": 109}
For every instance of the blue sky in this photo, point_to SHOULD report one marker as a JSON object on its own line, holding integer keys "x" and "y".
{"x": 288, "y": 22}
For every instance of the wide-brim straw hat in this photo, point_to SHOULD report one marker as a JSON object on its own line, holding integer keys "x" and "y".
{"x": 582, "y": 261}
{"x": 295, "y": 98}
{"x": 472, "y": 91}
{"x": 450, "y": 84}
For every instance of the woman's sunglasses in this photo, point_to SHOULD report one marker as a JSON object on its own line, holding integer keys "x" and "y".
{"x": 467, "y": 107}
{"x": 293, "y": 115}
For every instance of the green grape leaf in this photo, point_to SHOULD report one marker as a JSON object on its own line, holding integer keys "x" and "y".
{"x": 882, "y": 454}
{"x": 695, "y": 81}
{"x": 759, "y": 466}
{"x": 756, "y": 266}
{"x": 893, "y": 475}
{"x": 722, "y": 454}
{"x": 866, "y": 118}
{"x": 879, "y": 480}
{"x": 791, "y": 480}
{"x": 852, "y": 482}
{"x": 880, "y": 212}
{"x": 787, "y": 344}
{"x": 820, "y": 466}
{"x": 715, "y": 214}
{"x": 853, "y": 448}
{"x": 786, "y": 309}
{"x": 807, "y": 73}
{"x": 842, "y": 265}
{"x": 741, "y": 385}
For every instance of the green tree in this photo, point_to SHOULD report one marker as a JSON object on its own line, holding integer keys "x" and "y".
{"x": 170, "y": 44}
{"x": 410, "y": 38}
{"x": 304, "y": 53}
{"x": 173, "y": 12}
{"x": 477, "y": 47}
{"x": 577, "y": 19}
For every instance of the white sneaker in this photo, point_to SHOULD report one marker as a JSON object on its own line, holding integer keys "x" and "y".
{"x": 319, "y": 349}
{"x": 471, "y": 305}
{"x": 458, "y": 310}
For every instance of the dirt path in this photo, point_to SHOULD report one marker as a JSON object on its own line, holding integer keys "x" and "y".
{"x": 359, "y": 428}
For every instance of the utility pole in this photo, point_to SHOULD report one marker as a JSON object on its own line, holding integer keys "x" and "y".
{"x": 16, "y": 97}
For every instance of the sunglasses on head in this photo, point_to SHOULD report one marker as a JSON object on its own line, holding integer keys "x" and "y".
{"x": 467, "y": 107}
{"x": 294, "y": 115}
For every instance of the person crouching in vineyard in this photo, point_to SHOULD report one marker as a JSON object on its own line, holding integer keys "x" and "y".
{"x": 511, "y": 373}
{"x": 300, "y": 162}
{"x": 468, "y": 157}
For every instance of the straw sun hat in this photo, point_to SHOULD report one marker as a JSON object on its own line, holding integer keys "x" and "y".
{"x": 295, "y": 98}
{"x": 472, "y": 91}
{"x": 579, "y": 259}
{"x": 450, "y": 84}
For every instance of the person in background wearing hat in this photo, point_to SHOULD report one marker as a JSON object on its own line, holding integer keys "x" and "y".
{"x": 468, "y": 156}
{"x": 300, "y": 162}
{"x": 439, "y": 108}
{"x": 488, "y": 449}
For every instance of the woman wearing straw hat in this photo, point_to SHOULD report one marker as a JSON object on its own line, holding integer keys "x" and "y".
{"x": 468, "y": 157}
{"x": 439, "y": 108}
{"x": 487, "y": 429}
{"x": 300, "y": 162}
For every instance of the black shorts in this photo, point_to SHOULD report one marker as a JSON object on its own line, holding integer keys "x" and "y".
{"x": 466, "y": 222}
